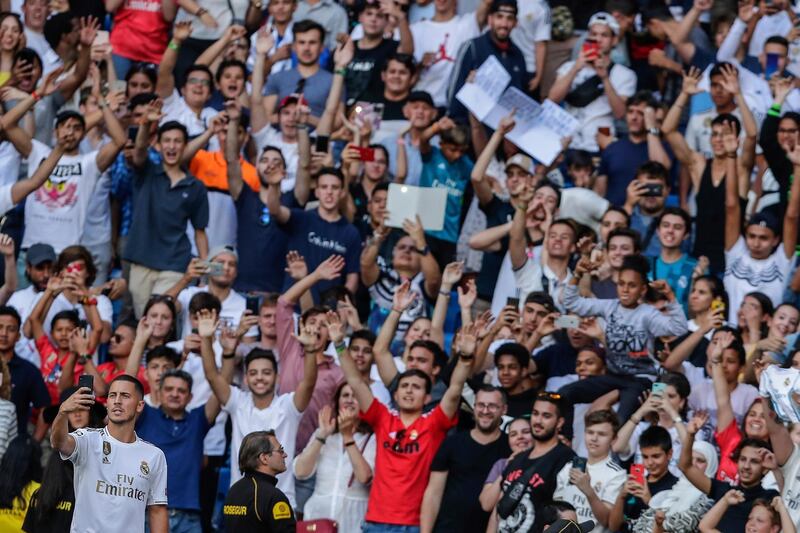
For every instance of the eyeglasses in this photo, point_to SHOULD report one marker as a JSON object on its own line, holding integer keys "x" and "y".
{"x": 278, "y": 451}
{"x": 199, "y": 81}
{"x": 487, "y": 406}
{"x": 788, "y": 130}
{"x": 264, "y": 219}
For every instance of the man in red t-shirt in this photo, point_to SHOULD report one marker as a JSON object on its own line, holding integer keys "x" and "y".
{"x": 407, "y": 439}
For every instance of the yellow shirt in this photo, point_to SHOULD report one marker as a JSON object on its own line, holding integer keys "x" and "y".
{"x": 11, "y": 519}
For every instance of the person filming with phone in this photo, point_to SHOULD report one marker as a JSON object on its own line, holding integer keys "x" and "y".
{"x": 594, "y": 89}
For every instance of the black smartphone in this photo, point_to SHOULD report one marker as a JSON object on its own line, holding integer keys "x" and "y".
{"x": 579, "y": 463}
{"x": 653, "y": 189}
{"x": 321, "y": 144}
{"x": 512, "y": 302}
{"x": 133, "y": 131}
{"x": 86, "y": 380}
{"x": 252, "y": 304}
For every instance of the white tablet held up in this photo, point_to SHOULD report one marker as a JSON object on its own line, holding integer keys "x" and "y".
{"x": 408, "y": 201}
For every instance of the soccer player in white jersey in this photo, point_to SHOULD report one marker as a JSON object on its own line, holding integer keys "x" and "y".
{"x": 591, "y": 485}
{"x": 117, "y": 475}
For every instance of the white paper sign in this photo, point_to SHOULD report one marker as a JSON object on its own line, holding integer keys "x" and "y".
{"x": 490, "y": 80}
{"x": 407, "y": 201}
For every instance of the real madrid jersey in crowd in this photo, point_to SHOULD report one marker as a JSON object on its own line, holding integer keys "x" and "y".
{"x": 115, "y": 482}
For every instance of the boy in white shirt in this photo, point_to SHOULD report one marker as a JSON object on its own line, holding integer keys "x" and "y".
{"x": 592, "y": 489}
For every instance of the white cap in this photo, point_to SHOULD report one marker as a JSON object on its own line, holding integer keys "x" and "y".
{"x": 602, "y": 17}
{"x": 522, "y": 161}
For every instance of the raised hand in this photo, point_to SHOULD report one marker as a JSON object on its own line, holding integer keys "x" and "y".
{"x": 153, "y": 112}
{"x": 506, "y": 124}
{"x": 468, "y": 340}
{"x": 344, "y": 53}
{"x": 307, "y": 337}
{"x": 87, "y": 31}
{"x": 233, "y": 109}
{"x": 585, "y": 246}
{"x": 81, "y": 400}
{"x": 6, "y": 245}
{"x": 326, "y": 423}
{"x": 467, "y": 297}
{"x": 452, "y": 273}
{"x": 415, "y": 231}
{"x": 730, "y": 79}
{"x": 734, "y": 497}
{"x": 143, "y": 329}
{"x": 181, "y": 31}
{"x": 781, "y": 87}
{"x": 79, "y": 341}
{"x": 403, "y": 297}
{"x": 350, "y": 313}
{"x": 703, "y": 5}
{"x": 296, "y": 265}
{"x": 691, "y": 78}
{"x": 336, "y": 328}
{"x": 662, "y": 287}
{"x": 206, "y": 323}
{"x": 264, "y": 41}
{"x": 699, "y": 419}
{"x": 331, "y": 268}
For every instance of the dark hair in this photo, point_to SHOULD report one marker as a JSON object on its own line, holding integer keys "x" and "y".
{"x": 197, "y": 68}
{"x": 636, "y": 263}
{"x": 330, "y": 171}
{"x": 737, "y": 344}
{"x": 129, "y": 379}
{"x": 542, "y": 298}
{"x": 547, "y": 183}
{"x": 304, "y": 26}
{"x": 170, "y": 303}
{"x": 29, "y": 55}
{"x": 22, "y": 463}
{"x": 515, "y": 350}
{"x": 230, "y": 63}
{"x": 718, "y": 68}
{"x": 128, "y": 323}
{"x": 67, "y": 314}
{"x": 57, "y": 482}
{"x": 273, "y": 148}
{"x": 654, "y": 170}
{"x": 172, "y": 125}
{"x": 794, "y": 116}
{"x": 678, "y": 212}
{"x": 604, "y": 416}
{"x": 747, "y": 442}
{"x": 763, "y": 300}
{"x": 69, "y": 114}
{"x": 777, "y": 39}
{"x": 621, "y": 211}
{"x": 626, "y": 7}
{"x": 642, "y": 97}
{"x": 362, "y": 426}
{"x": 382, "y": 148}
{"x": 551, "y": 513}
{"x": 439, "y": 357}
{"x": 723, "y": 118}
{"x": 56, "y": 27}
{"x": 570, "y": 224}
{"x": 490, "y": 389}
{"x": 716, "y": 286}
{"x": 204, "y": 301}
{"x": 364, "y": 335}
{"x": 682, "y": 387}
{"x": 73, "y": 253}
{"x": 141, "y": 99}
{"x": 163, "y": 352}
{"x": 177, "y": 373}
{"x": 655, "y": 436}
{"x": 142, "y": 68}
{"x": 629, "y": 233}
{"x": 7, "y": 310}
{"x": 552, "y": 398}
{"x": 657, "y": 11}
{"x": 260, "y": 353}
{"x": 415, "y": 373}
{"x": 313, "y": 311}
{"x": 382, "y": 186}
{"x": 580, "y": 159}
{"x": 407, "y": 60}
{"x": 253, "y": 446}
{"x": 269, "y": 299}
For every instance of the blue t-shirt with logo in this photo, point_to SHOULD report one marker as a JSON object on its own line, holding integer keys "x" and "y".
{"x": 316, "y": 240}
{"x": 678, "y": 275}
{"x": 439, "y": 172}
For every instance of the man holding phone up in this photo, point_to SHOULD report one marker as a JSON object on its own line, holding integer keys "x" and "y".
{"x": 595, "y": 90}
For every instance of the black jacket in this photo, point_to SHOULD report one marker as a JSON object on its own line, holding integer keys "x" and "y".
{"x": 255, "y": 504}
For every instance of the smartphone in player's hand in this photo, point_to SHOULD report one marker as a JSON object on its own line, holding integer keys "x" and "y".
{"x": 86, "y": 380}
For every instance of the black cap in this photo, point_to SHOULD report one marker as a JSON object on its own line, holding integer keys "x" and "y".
{"x": 767, "y": 220}
{"x": 420, "y": 96}
{"x": 498, "y": 5}
{"x": 40, "y": 253}
{"x": 569, "y": 526}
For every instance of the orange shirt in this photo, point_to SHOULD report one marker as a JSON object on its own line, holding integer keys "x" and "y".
{"x": 211, "y": 169}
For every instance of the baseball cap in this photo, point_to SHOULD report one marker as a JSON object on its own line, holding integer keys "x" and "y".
{"x": 498, "y": 5}
{"x": 40, "y": 253}
{"x": 291, "y": 99}
{"x": 420, "y": 96}
{"x": 522, "y": 161}
{"x": 765, "y": 220}
{"x": 223, "y": 249}
{"x": 569, "y": 526}
{"x": 601, "y": 17}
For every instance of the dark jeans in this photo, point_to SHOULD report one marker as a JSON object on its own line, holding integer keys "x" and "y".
{"x": 588, "y": 390}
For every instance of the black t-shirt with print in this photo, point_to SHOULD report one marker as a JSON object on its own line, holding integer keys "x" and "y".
{"x": 364, "y": 71}
{"x": 735, "y": 518}
{"x": 634, "y": 507}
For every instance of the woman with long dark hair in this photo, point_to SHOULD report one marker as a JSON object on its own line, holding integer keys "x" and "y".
{"x": 22, "y": 473}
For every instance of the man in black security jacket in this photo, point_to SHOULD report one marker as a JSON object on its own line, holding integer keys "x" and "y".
{"x": 254, "y": 503}
{"x": 495, "y": 42}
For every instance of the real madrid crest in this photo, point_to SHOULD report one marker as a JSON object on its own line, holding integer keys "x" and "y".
{"x": 145, "y": 469}
{"x": 106, "y": 451}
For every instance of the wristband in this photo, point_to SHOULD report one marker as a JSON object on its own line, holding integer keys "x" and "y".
{"x": 229, "y": 355}
{"x": 422, "y": 251}
{"x": 351, "y": 443}
{"x": 340, "y": 347}
{"x": 88, "y": 301}
{"x": 320, "y": 439}
{"x": 445, "y": 293}
{"x": 342, "y": 71}
{"x": 677, "y": 420}
{"x": 36, "y": 96}
{"x": 173, "y": 45}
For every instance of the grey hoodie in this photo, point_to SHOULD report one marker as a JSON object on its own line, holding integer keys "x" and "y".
{"x": 629, "y": 332}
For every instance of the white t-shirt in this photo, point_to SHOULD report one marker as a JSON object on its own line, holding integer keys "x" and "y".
{"x": 282, "y": 416}
{"x": 232, "y": 309}
{"x": 743, "y": 274}
{"x": 37, "y": 42}
{"x": 606, "y": 478}
{"x": 175, "y": 108}
{"x": 56, "y": 211}
{"x": 443, "y": 39}
{"x": 534, "y": 276}
{"x": 533, "y": 25}
{"x": 702, "y": 399}
{"x": 10, "y": 161}
{"x": 288, "y": 38}
{"x": 115, "y": 482}
{"x": 766, "y": 27}
{"x": 598, "y": 112}
{"x": 506, "y": 286}
{"x": 269, "y": 136}
{"x": 791, "y": 485}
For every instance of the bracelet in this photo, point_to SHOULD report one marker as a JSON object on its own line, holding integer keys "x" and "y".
{"x": 351, "y": 443}
{"x": 320, "y": 439}
{"x": 399, "y": 311}
{"x": 445, "y": 293}
{"x": 340, "y": 347}
{"x": 173, "y": 45}
{"x": 677, "y": 420}
{"x": 36, "y": 96}
{"x": 88, "y": 301}
{"x": 229, "y": 355}
{"x": 200, "y": 12}
{"x": 342, "y": 71}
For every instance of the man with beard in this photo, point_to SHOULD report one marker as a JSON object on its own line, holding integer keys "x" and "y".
{"x": 646, "y": 198}
{"x": 534, "y": 473}
{"x": 620, "y": 159}
{"x": 420, "y": 113}
{"x": 495, "y": 42}
{"x": 461, "y": 465}
{"x": 117, "y": 475}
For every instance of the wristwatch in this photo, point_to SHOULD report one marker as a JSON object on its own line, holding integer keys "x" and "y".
{"x": 423, "y": 251}
{"x": 654, "y": 131}
{"x": 257, "y": 4}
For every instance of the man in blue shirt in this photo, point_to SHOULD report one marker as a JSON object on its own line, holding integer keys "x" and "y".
{"x": 179, "y": 434}
{"x": 447, "y": 167}
{"x": 646, "y": 197}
